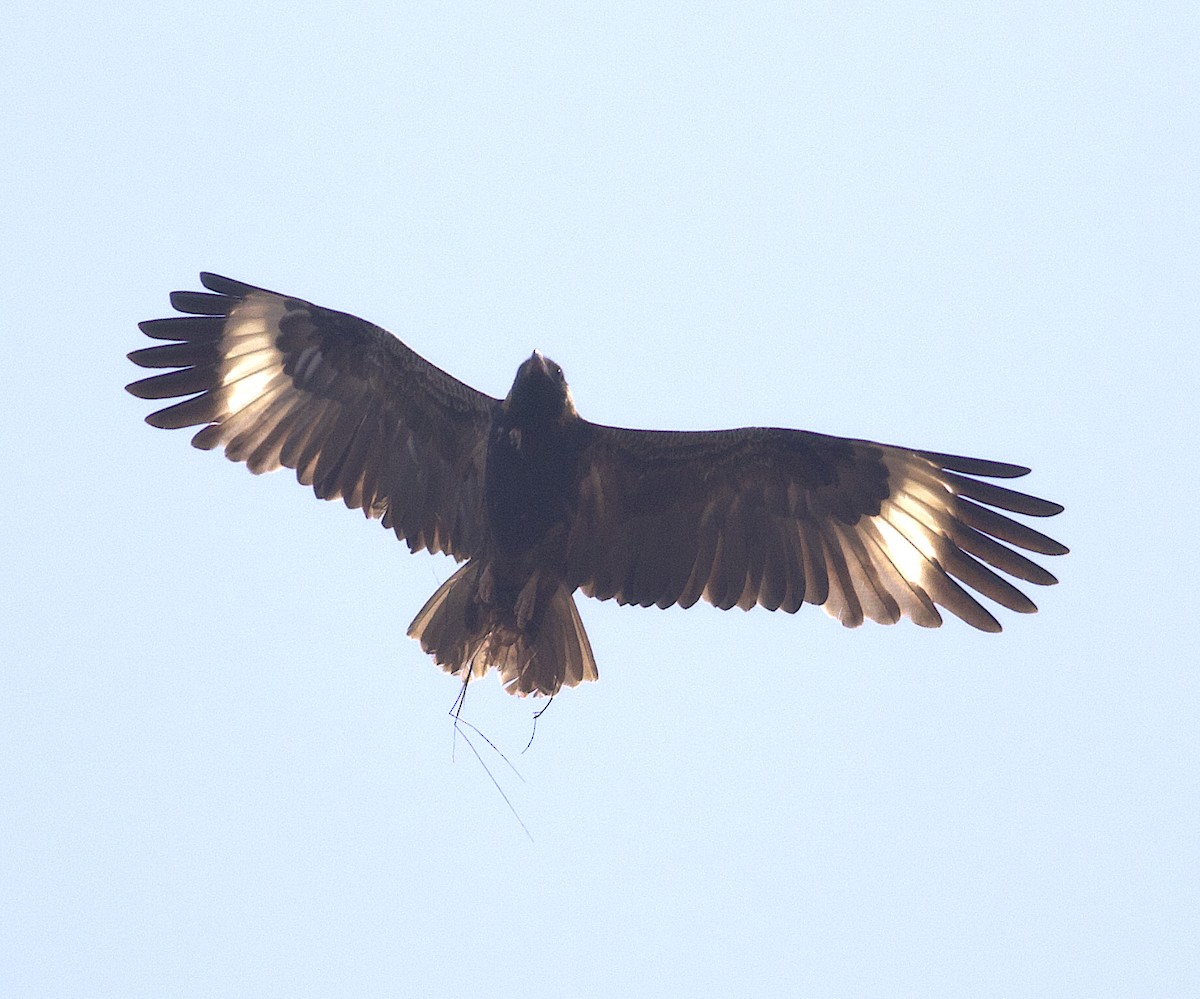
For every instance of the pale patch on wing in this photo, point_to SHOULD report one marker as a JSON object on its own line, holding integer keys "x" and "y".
{"x": 244, "y": 387}
{"x": 248, "y": 345}
{"x": 900, "y": 562}
{"x": 909, "y": 517}
{"x": 903, "y": 552}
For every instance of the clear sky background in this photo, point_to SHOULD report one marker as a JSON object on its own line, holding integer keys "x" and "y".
{"x": 223, "y": 768}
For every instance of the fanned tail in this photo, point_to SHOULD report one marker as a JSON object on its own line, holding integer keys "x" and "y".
{"x": 538, "y": 646}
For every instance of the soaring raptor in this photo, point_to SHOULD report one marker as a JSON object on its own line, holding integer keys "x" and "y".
{"x": 538, "y": 502}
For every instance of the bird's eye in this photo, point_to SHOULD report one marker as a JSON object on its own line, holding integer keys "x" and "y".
{"x": 558, "y": 373}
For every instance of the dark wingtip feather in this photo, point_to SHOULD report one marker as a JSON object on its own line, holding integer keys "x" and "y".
{"x": 162, "y": 329}
{"x": 1000, "y": 497}
{"x": 200, "y": 303}
{"x": 183, "y": 354}
{"x": 1002, "y": 528}
{"x": 975, "y": 466}
{"x": 142, "y": 388}
{"x": 189, "y": 413}
{"x": 185, "y": 328}
{"x": 225, "y": 285}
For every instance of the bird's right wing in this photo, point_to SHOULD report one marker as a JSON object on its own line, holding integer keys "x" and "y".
{"x": 784, "y": 517}
{"x": 280, "y": 382}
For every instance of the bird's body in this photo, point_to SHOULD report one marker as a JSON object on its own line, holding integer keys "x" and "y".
{"x": 539, "y": 502}
{"x": 517, "y": 612}
{"x": 533, "y": 452}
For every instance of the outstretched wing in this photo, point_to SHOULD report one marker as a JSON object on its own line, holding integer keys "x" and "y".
{"x": 278, "y": 381}
{"x": 784, "y": 517}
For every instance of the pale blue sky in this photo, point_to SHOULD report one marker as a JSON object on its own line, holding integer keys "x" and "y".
{"x": 225, "y": 771}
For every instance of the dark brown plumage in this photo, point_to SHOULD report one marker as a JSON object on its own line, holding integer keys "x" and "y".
{"x": 539, "y": 502}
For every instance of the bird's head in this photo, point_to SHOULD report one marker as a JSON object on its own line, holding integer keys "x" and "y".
{"x": 540, "y": 393}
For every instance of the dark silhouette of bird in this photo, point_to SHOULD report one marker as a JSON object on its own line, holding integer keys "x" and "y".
{"x": 539, "y": 502}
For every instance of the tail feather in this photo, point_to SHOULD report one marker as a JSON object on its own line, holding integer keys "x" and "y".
{"x": 536, "y": 649}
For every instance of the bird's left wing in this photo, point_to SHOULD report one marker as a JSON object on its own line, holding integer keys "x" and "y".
{"x": 280, "y": 382}
{"x": 784, "y": 517}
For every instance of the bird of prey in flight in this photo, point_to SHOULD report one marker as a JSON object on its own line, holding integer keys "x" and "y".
{"x": 539, "y": 502}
